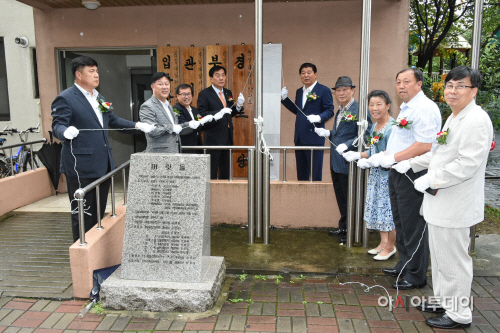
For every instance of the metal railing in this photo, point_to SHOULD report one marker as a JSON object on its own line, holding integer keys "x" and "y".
{"x": 80, "y": 195}
{"x": 9, "y": 147}
{"x": 310, "y": 148}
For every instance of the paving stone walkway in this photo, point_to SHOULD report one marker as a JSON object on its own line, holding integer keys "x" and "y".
{"x": 330, "y": 304}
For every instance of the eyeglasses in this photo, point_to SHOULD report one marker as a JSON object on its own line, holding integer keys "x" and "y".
{"x": 457, "y": 87}
{"x": 185, "y": 94}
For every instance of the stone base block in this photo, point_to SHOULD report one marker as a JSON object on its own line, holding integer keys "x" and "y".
{"x": 120, "y": 294}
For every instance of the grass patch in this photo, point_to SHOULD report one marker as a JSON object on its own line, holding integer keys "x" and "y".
{"x": 491, "y": 223}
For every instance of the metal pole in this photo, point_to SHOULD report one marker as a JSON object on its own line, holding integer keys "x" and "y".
{"x": 366, "y": 234}
{"x": 284, "y": 165}
{"x": 350, "y": 204}
{"x": 230, "y": 165}
{"x": 266, "y": 200}
{"x": 476, "y": 33}
{"x": 363, "y": 102}
{"x": 113, "y": 196}
{"x": 31, "y": 157}
{"x": 251, "y": 196}
{"x": 79, "y": 194}
{"x": 311, "y": 166}
{"x": 476, "y": 45}
{"x": 98, "y": 200}
{"x": 11, "y": 163}
{"x": 259, "y": 113}
{"x": 124, "y": 176}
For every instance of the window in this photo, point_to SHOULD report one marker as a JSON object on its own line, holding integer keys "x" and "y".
{"x": 4, "y": 92}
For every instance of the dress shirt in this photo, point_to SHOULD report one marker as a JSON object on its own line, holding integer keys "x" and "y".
{"x": 92, "y": 98}
{"x": 343, "y": 109}
{"x": 426, "y": 124}
{"x": 229, "y": 106}
{"x": 305, "y": 91}
{"x": 167, "y": 110}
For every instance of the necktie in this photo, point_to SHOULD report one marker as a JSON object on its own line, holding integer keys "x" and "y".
{"x": 222, "y": 99}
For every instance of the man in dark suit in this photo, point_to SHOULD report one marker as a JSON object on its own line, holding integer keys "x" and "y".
{"x": 316, "y": 103}
{"x": 219, "y": 102}
{"x": 82, "y": 107}
{"x": 188, "y": 113}
{"x": 345, "y": 131}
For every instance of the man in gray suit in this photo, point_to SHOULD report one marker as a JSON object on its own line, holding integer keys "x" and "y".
{"x": 456, "y": 167}
{"x": 158, "y": 111}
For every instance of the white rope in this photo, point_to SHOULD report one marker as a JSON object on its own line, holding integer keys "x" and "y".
{"x": 75, "y": 211}
{"x": 368, "y": 289}
{"x": 360, "y": 139}
{"x": 263, "y": 146}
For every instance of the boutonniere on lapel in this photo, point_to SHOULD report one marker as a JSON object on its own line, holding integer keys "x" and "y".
{"x": 374, "y": 138}
{"x": 311, "y": 96}
{"x": 348, "y": 117}
{"x": 230, "y": 99}
{"x": 104, "y": 106}
{"x": 198, "y": 117}
{"x": 441, "y": 137}
{"x": 402, "y": 123}
{"x": 177, "y": 112}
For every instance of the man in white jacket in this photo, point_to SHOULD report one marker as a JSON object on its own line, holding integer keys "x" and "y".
{"x": 456, "y": 168}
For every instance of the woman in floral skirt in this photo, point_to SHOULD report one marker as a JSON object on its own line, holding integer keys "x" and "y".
{"x": 378, "y": 213}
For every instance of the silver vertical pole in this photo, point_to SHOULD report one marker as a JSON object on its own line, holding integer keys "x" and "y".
{"x": 124, "y": 176}
{"x": 266, "y": 196}
{"x": 366, "y": 234}
{"x": 251, "y": 196}
{"x": 259, "y": 113}
{"x": 113, "y": 213}
{"x": 284, "y": 165}
{"x": 476, "y": 44}
{"x": 79, "y": 194}
{"x": 350, "y": 205}
{"x": 98, "y": 201}
{"x": 363, "y": 102}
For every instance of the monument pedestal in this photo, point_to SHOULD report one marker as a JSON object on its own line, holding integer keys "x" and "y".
{"x": 122, "y": 294}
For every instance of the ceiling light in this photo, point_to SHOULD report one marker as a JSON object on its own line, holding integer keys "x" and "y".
{"x": 91, "y": 4}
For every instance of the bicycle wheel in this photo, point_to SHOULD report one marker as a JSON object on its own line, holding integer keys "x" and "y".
{"x": 27, "y": 162}
{"x": 4, "y": 168}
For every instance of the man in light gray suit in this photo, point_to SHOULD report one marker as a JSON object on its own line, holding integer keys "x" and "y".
{"x": 456, "y": 167}
{"x": 158, "y": 111}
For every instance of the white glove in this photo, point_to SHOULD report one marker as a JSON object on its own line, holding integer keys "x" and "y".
{"x": 387, "y": 161}
{"x": 194, "y": 124}
{"x": 284, "y": 93}
{"x": 241, "y": 100}
{"x": 71, "y": 132}
{"x": 176, "y": 129}
{"x": 402, "y": 166}
{"x": 322, "y": 132}
{"x": 364, "y": 163}
{"x": 145, "y": 127}
{"x": 206, "y": 119}
{"x": 422, "y": 184}
{"x": 351, "y": 156}
{"x": 341, "y": 148}
{"x": 374, "y": 160}
{"x": 226, "y": 111}
{"x": 313, "y": 118}
{"x": 219, "y": 115}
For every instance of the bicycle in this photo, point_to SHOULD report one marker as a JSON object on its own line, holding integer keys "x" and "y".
{"x": 23, "y": 160}
{"x": 4, "y": 165}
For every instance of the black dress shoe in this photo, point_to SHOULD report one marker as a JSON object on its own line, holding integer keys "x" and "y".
{"x": 431, "y": 307}
{"x": 390, "y": 271}
{"x": 405, "y": 285}
{"x": 343, "y": 240}
{"x": 337, "y": 232}
{"x": 444, "y": 322}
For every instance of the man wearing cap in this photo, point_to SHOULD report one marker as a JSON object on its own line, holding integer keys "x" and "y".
{"x": 313, "y": 107}
{"x": 345, "y": 131}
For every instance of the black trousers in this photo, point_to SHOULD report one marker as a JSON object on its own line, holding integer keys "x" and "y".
{"x": 340, "y": 186}
{"x": 410, "y": 226}
{"x": 90, "y": 200}
{"x": 303, "y": 160}
{"x": 219, "y": 160}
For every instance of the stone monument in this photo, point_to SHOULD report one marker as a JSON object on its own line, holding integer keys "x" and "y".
{"x": 166, "y": 264}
